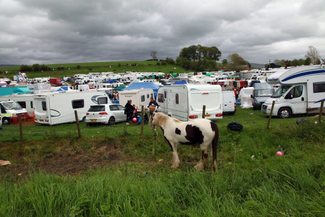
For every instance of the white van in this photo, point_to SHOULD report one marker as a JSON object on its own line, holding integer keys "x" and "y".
{"x": 229, "y": 102}
{"x": 302, "y": 89}
{"x": 10, "y": 110}
{"x": 139, "y": 97}
{"x": 59, "y": 107}
{"x": 26, "y": 101}
{"x": 185, "y": 102}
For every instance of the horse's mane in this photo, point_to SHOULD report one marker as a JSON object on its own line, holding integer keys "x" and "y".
{"x": 161, "y": 119}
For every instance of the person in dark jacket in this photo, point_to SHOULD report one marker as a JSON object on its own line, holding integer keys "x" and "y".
{"x": 153, "y": 105}
{"x": 129, "y": 109}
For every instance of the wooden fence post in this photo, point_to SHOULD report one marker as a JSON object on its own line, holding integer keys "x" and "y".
{"x": 142, "y": 119}
{"x": 203, "y": 111}
{"x": 320, "y": 112}
{"x": 270, "y": 116}
{"x": 77, "y": 121}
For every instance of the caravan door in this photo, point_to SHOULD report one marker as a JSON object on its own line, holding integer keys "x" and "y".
{"x": 296, "y": 98}
{"x": 177, "y": 105}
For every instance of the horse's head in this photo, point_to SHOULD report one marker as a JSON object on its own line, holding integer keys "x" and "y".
{"x": 152, "y": 121}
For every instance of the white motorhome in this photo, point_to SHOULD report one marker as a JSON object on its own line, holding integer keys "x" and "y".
{"x": 26, "y": 101}
{"x": 185, "y": 102}
{"x": 10, "y": 110}
{"x": 139, "y": 97}
{"x": 59, "y": 107}
{"x": 302, "y": 89}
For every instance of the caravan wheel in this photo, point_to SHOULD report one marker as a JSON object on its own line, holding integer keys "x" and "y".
{"x": 6, "y": 121}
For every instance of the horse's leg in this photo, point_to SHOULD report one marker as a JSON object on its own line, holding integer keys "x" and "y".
{"x": 203, "y": 161}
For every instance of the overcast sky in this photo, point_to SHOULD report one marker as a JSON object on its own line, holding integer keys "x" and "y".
{"x": 72, "y": 31}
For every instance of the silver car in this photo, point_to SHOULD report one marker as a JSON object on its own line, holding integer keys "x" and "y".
{"x": 105, "y": 114}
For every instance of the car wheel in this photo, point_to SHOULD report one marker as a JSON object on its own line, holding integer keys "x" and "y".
{"x": 111, "y": 121}
{"x": 284, "y": 113}
{"x": 5, "y": 121}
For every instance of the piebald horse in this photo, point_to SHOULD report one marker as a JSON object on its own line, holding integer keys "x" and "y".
{"x": 200, "y": 131}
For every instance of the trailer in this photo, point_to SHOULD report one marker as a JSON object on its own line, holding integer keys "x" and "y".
{"x": 10, "y": 111}
{"x": 301, "y": 91}
{"x": 185, "y": 102}
{"x": 59, "y": 107}
{"x": 139, "y": 97}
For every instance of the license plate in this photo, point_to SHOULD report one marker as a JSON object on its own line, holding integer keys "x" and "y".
{"x": 207, "y": 115}
{"x": 41, "y": 120}
{"x": 93, "y": 120}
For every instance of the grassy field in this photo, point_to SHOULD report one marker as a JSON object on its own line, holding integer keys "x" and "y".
{"x": 117, "y": 67}
{"x": 116, "y": 171}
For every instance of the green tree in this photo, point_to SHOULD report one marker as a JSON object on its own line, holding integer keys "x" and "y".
{"x": 236, "y": 61}
{"x": 224, "y": 62}
{"x": 25, "y": 68}
{"x": 307, "y": 61}
{"x": 36, "y": 67}
{"x": 313, "y": 54}
{"x": 170, "y": 61}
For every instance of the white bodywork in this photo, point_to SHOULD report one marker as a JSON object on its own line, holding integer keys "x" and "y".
{"x": 139, "y": 97}
{"x": 58, "y": 108}
{"x": 185, "y": 102}
{"x": 302, "y": 89}
{"x": 228, "y": 102}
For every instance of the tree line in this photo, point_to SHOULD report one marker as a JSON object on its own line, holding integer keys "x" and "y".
{"x": 202, "y": 58}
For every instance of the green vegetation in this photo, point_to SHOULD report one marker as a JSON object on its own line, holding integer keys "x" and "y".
{"x": 250, "y": 180}
{"x": 69, "y": 69}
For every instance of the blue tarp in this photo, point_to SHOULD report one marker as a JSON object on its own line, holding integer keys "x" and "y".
{"x": 14, "y": 90}
{"x": 180, "y": 82}
{"x": 144, "y": 85}
{"x": 111, "y": 81}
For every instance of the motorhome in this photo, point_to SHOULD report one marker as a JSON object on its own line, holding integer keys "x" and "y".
{"x": 185, "y": 102}
{"x": 261, "y": 92}
{"x": 58, "y": 108}
{"x": 10, "y": 111}
{"x": 139, "y": 97}
{"x": 26, "y": 101}
{"x": 301, "y": 91}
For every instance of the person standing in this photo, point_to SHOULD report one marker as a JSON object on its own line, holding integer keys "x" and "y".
{"x": 129, "y": 109}
{"x": 153, "y": 105}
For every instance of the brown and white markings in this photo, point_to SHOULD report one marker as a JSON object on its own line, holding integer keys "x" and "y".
{"x": 200, "y": 131}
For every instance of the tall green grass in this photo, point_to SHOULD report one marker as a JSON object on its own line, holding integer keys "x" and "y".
{"x": 250, "y": 180}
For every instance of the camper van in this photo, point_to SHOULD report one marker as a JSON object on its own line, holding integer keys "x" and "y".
{"x": 302, "y": 89}
{"x": 139, "y": 97}
{"x": 185, "y": 102}
{"x": 261, "y": 92}
{"x": 10, "y": 110}
{"x": 24, "y": 100}
{"x": 59, "y": 107}
{"x": 228, "y": 102}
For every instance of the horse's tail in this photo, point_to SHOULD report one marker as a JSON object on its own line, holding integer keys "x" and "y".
{"x": 214, "y": 145}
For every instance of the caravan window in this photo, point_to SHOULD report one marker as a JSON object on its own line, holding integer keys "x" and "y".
{"x": 79, "y": 103}
{"x": 177, "y": 98}
{"x": 319, "y": 87}
{"x": 165, "y": 94}
{"x": 22, "y": 104}
{"x": 31, "y": 104}
{"x": 102, "y": 100}
{"x": 44, "y": 105}
{"x": 143, "y": 98}
{"x": 148, "y": 96}
{"x": 161, "y": 97}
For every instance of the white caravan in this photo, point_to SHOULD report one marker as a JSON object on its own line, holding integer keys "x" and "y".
{"x": 139, "y": 97}
{"x": 59, "y": 107}
{"x": 302, "y": 89}
{"x": 185, "y": 102}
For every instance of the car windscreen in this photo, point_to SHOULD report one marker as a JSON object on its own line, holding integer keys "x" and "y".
{"x": 96, "y": 108}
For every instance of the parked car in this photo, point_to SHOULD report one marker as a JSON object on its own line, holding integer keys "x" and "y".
{"x": 105, "y": 114}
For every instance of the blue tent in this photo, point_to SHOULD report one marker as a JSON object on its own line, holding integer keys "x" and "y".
{"x": 63, "y": 88}
{"x": 144, "y": 85}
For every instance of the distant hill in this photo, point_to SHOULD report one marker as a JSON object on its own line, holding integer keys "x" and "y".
{"x": 257, "y": 65}
{"x": 7, "y": 65}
